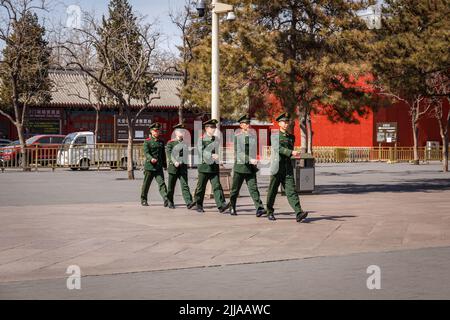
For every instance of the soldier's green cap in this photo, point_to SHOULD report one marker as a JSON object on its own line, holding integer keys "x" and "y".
{"x": 211, "y": 123}
{"x": 244, "y": 119}
{"x": 155, "y": 126}
{"x": 179, "y": 126}
{"x": 283, "y": 117}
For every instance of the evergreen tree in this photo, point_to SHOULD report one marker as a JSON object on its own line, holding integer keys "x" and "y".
{"x": 23, "y": 69}
{"x": 306, "y": 53}
{"x": 124, "y": 50}
{"x": 124, "y": 61}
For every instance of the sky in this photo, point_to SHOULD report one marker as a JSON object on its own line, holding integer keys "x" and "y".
{"x": 151, "y": 9}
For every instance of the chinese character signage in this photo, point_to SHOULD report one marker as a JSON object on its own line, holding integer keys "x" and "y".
{"x": 141, "y": 130}
{"x": 44, "y": 114}
{"x": 387, "y": 132}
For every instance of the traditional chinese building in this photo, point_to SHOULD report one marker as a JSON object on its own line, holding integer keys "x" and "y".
{"x": 71, "y": 109}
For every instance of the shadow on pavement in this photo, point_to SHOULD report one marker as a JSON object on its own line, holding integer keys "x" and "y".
{"x": 310, "y": 219}
{"x": 414, "y": 186}
{"x": 329, "y": 218}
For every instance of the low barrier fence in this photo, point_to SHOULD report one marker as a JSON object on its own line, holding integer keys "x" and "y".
{"x": 114, "y": 156}
{"x": 82, "y": 157}
{"x": 367, "y": 154}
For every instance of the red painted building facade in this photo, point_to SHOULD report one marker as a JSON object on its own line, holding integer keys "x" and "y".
{"x": 364, "y": 134}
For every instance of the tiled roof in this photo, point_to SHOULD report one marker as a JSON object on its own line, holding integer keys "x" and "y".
{"x": 70, "y": 90}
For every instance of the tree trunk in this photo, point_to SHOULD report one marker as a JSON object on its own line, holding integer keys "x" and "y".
{"x": 97, "y": 118}
{"x": 445, "y": 153}
{"x": 303, "y": 133}
{"x": 445, "y": 138}
{"x": 415, "y": 129}
{"x": 23, "y": 157}
{"x": 310, "y": 135}
{"x": 130, "y": 168}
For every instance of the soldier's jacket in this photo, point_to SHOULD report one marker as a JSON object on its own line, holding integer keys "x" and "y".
{"x": 245, "y": 145}
{"x": 154, "y": 149}
{"x": 181, "y": 152}
{"x": 207, "y": 147}
{"x": 286, "y": 146}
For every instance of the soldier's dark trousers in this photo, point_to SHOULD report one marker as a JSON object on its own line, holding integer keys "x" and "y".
{"x": 148, "y": 178}
{"x": 203, "y": 179}
{"x": 252, "y": 184}
{"x": 288, "y": 184}
{"x": 171, "y": 183}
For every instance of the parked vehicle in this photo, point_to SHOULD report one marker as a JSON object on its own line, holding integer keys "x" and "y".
{"x": 4, "y": 142}
{"x": 40, "y": 148}
{"x": 78, "y": 151}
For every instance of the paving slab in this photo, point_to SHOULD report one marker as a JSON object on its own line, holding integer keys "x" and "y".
{"x": 51, "y": 220}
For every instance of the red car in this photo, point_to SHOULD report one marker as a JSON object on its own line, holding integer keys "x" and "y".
{"x": 43, "y": 148}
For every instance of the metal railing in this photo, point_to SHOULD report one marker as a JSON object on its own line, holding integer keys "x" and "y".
{"x": 367, "y": 154}
{"x": 114, "y": 156}
{"x": 75, "y": 157}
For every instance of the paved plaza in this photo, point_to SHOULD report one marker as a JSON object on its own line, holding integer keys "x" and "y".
{"x": 396, "y": 216}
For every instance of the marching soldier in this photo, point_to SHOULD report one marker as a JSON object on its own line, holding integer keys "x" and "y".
{"x": 176, "y": 154}
{"x": 284, "y": 174}
{"x": 155, "y": 161}
{"x": 208, "y": 168}
{"x": 245, "y": 167}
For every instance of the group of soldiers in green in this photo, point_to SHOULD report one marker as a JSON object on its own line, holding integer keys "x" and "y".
{"x": 173, "y": 156}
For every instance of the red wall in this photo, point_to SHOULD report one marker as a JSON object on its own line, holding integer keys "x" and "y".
{"x": 327, "y": 133}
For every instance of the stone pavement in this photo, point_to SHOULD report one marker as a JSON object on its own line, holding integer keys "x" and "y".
{"x": 50, "y": 221}
{"x": 406, "y": 274}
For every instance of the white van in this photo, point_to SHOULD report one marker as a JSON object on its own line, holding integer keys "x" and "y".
{"x": 78, "y": 151}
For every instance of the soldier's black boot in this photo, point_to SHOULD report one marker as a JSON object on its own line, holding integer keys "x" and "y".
{"x": 271, "y": 217}
{"x": 144, "y": 203}
{"x": 191, "y": 205}
{"x": 225, "y": 207}
{"x": 166, "y": 203}
{"x": 260, "y": 212}
{"x": 233, "y": 211}
{"x": 301, "y": 216}
{"x": 200, "y": 209}
{"x": 171, "y": 205}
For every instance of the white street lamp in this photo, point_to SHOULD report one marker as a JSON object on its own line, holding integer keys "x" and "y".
{"x": 372, "y": 17}
{"x": 217, "y": 8}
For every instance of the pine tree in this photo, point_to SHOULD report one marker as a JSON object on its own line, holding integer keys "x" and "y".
{"x": 306, "y": 53}
{"x": 124, "y": 51}
{"x": 124, "y": 61}
{"x": 23, "y": 70}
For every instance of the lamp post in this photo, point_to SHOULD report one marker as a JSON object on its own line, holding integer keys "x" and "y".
{"x": 217, "y": 9}
{"x": 372, "y": 17}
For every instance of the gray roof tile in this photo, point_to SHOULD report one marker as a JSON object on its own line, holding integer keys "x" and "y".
{"x": 70, "y": 90}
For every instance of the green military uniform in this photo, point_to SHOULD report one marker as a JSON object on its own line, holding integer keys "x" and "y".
{"x": 154, "y": 150}
{"x": 284, "y": 174}
{"x": 177, "y": 151}
{"x": 208, "y": 170}
{"x": 245, "y": 145}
